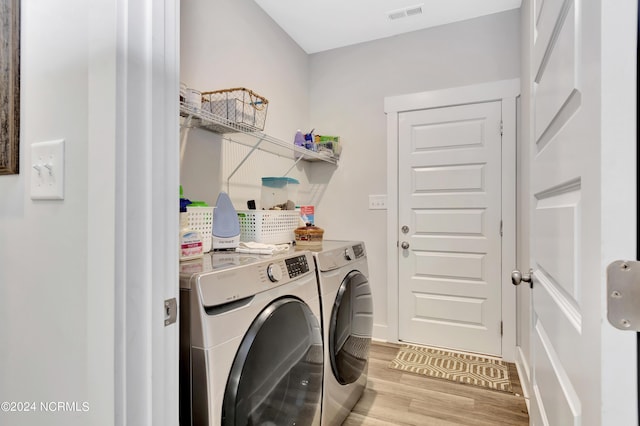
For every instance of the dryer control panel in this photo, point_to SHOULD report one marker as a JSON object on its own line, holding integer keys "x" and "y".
{"x": 297, "y": 265}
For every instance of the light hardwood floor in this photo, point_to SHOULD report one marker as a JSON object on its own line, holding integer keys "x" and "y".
{"x": 393, "y": 397}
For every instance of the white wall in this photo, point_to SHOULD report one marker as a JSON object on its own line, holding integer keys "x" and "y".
{"x": 348, "y": 86}
{"x": 57, "y": 324}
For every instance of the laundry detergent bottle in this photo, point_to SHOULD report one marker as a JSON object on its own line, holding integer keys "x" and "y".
{"x": 298, "y": 140}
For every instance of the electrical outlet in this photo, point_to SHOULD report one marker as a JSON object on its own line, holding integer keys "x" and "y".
{"x": 47, "y": 170}
{"x": 377, "y": 202}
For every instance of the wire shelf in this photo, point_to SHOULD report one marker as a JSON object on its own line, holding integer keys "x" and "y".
{"x": 199, "y": 118}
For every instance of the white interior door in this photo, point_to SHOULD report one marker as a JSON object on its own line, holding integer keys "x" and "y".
{"x": 449, "y": 212}
{"x": 582, "y": 370}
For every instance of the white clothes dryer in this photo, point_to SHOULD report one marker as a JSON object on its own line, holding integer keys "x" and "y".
{"x": 347, "y": 324}
{"x": 250, "y": 340}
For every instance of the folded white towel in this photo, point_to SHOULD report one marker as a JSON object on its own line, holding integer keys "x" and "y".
{"x": 260, "y": 248}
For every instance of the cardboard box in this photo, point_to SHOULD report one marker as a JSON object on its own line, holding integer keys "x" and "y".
{"x": 307, "y": 214}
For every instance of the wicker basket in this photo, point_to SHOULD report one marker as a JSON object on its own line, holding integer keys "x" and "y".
{"x": 268, "y": 226}
{"x": 242, "y": 106}
{"x": 201, "y": 220}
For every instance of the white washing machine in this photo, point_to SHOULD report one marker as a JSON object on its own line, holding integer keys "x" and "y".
{"x": 251, "y": 348}
{"x": 347, "y": 324}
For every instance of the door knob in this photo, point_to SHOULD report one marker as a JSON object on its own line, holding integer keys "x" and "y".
{"x": 404, "y": 245}
{"x": 517, "y": 277}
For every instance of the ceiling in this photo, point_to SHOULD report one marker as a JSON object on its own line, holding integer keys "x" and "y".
{"x": 318, "y": 25}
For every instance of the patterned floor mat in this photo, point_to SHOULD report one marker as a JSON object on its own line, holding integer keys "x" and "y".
{"x": 458, "y": 367}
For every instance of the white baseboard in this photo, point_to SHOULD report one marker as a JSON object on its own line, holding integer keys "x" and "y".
{"x": 524, "y": 372}
{"x": 381, "y": 332}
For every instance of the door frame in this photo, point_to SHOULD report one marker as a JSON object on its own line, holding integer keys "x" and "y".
{"x": 506, "y": 91}
{"x": 133, "y": 200}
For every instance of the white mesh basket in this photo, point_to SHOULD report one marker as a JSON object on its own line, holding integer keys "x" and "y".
{"x": 201, "y": 220}
{"x": 268, "y": 226}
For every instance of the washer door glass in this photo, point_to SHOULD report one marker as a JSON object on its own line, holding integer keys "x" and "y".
{"x": 350, "y": 328}
{"x": 276, "y": 376}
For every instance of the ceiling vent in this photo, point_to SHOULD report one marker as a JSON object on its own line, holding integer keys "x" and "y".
{"x": 406, "y": 12}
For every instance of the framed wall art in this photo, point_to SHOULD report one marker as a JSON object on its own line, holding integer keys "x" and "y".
{"x": 9, "y": 86}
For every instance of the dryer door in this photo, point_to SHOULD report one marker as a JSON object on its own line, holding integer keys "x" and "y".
{"x": 350, "y": 328}
{"x": 276, "y": 376}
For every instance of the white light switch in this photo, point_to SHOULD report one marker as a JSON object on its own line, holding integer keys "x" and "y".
{"x": 47, "y": 170}
{"x": 377, "y": 202}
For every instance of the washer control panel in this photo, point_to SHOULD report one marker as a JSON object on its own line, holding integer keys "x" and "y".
{"x": 297, "y": 265}
{"x": 229, "y": 278}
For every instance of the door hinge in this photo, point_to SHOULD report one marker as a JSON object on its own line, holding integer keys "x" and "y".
{"x": 170, "y": 311}
{"x": 501, "y": 329}
{"x": 501, "y": 225}
{"x": 501, "y": 127}
{"x": 623, "y": 294}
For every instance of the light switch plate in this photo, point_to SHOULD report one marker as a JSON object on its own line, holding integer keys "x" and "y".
{"x": 47, "y": 170}
{"x": 377, "y": 202}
